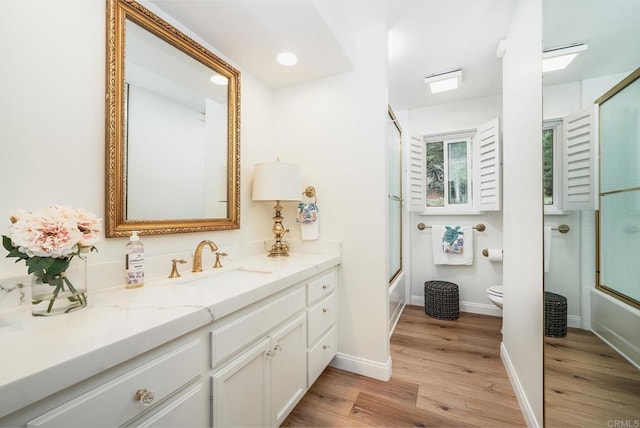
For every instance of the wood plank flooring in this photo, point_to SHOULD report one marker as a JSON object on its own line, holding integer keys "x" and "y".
{"x": 588, "y": 384}
{"x": 445, "y": 374}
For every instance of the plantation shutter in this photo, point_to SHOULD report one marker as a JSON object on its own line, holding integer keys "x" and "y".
{"x": 417, "y": 174}
{"x": 579, "y": 165}
{"x": 486, "y": 167}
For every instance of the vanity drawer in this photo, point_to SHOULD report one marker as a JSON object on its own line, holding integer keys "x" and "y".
{"x": 231, "y": 337}
{"x": 114, "y": 403}
{"x": 321, "y": 317}
{"x": 321, "y": 355}
{"x": 321, "y": 286}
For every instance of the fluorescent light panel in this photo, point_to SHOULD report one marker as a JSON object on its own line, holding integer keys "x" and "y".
{"x": 444, "y": 81}
{"x": 560, "y": 58}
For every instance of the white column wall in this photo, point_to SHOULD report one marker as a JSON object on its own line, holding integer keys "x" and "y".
{"x": 522, "y": 221}
{"x": 335, "y": 128}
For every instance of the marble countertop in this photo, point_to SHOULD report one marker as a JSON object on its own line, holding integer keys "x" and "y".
{"x": 43, "y": 355}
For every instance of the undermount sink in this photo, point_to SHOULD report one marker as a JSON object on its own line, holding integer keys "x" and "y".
{"x": 223, "y": 275}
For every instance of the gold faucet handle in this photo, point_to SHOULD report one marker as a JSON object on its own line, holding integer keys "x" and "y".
{"x": 174, "y": 268}
{"x": 218, "y": 255}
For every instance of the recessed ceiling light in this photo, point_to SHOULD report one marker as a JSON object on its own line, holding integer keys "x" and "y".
{"x": 287, "y": 58}
{"x": 219, "y": 79}
{"x": 446, "y": 81}
{"x": 560, "y": 58}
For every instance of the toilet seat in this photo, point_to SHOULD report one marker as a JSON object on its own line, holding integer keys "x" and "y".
{"x": 496, "y": 290}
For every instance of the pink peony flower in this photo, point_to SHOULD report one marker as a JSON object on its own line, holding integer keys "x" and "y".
{"x": 57, "y": 231}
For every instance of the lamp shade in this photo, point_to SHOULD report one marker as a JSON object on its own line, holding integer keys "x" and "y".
{"x": 276, "y": 181}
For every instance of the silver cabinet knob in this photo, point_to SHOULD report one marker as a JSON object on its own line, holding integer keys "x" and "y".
{"x": 145, "y": 397}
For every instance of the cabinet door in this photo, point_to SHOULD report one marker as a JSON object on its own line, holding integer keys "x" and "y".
{"x": 240, "y": 389}
{"x": 288, "y": 368}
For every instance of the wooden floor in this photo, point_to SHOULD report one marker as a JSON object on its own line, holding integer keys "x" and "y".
{"x": 445, "y": 374}
{"x": 587, "y": 384}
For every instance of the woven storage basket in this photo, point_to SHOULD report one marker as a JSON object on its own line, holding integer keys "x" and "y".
{"x": 441, "y": 300}
{"x": 555, "y": 315}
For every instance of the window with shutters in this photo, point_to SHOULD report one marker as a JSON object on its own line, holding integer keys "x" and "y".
{"x": 552, "y": 143}
{"x": 457, "y": 172}
{"x": 579, "y": 166}
{"x": 448, "y": 169}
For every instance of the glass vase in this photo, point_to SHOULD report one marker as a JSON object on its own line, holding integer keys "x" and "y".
{"x": 61, "y": 293}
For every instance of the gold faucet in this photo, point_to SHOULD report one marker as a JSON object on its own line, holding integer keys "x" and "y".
{"x": 197, "y": 256}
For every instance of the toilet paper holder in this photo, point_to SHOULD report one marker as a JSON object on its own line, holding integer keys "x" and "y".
{"x": 485, "y": 252}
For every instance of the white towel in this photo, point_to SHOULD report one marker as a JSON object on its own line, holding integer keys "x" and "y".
{"x": 310, "y": 231}
{"x": 440, "y": 257}
{"x": 547, "y": 248}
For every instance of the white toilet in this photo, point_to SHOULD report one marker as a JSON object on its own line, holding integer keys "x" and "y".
{"x": 495, "y": 293}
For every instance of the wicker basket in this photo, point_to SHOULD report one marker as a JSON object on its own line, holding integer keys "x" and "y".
{"x": 555, "y": 315}
{"x": 441, "y": 300}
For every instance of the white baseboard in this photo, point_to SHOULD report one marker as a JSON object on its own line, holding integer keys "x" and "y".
{"x": 525, "y": 407}
{"x": 574, "y": 321}
{"x": 362, "y": 366}
{"x": 481, "y": 308}
{"x": 470, "y": 307}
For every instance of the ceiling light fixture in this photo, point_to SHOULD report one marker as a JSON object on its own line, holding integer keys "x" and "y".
{"x": 287, "y": 58}
{"x": 446, "y": 81}
{"x": 219, "y": 79}
{"x": 559, "y": 58}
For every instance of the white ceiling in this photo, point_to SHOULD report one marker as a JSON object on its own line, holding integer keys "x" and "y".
{"x": 425, "y": 37}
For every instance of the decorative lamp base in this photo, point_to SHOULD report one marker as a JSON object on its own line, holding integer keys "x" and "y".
{"x": 279, "y": 249}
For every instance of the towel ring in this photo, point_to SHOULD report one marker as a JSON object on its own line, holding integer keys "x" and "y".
{"x": 310, "y": 192}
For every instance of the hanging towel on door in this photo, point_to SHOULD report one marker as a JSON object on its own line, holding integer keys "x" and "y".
{"x": 452, "y": 245}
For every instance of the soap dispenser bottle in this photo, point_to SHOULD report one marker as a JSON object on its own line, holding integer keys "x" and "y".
{"x": 134, "y": 262}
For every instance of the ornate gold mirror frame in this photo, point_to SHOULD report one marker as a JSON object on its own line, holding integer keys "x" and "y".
{"x": 117, "y": 224}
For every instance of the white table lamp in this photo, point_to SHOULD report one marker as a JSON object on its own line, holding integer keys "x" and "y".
{"x": 277, "y": 181}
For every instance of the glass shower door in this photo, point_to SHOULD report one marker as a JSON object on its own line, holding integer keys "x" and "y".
{"x": 619, "y": 223}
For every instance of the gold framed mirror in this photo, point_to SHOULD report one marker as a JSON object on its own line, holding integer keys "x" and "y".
{"x": 172, "y": 133}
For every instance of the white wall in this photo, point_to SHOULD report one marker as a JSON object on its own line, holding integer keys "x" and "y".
{"x": 472, "y": 280}
{"x": 463, "y": 115}
{"x": 523, "y": 302}
{"x": 335, "y": 128}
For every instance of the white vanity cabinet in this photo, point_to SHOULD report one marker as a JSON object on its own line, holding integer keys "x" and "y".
{"x": 322, "y": 318}
{"x": 228, "y": 358}
{"x": 161, "y": 389}
{"x": 259, "y": 385}
{"x": 266, "y": 359}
